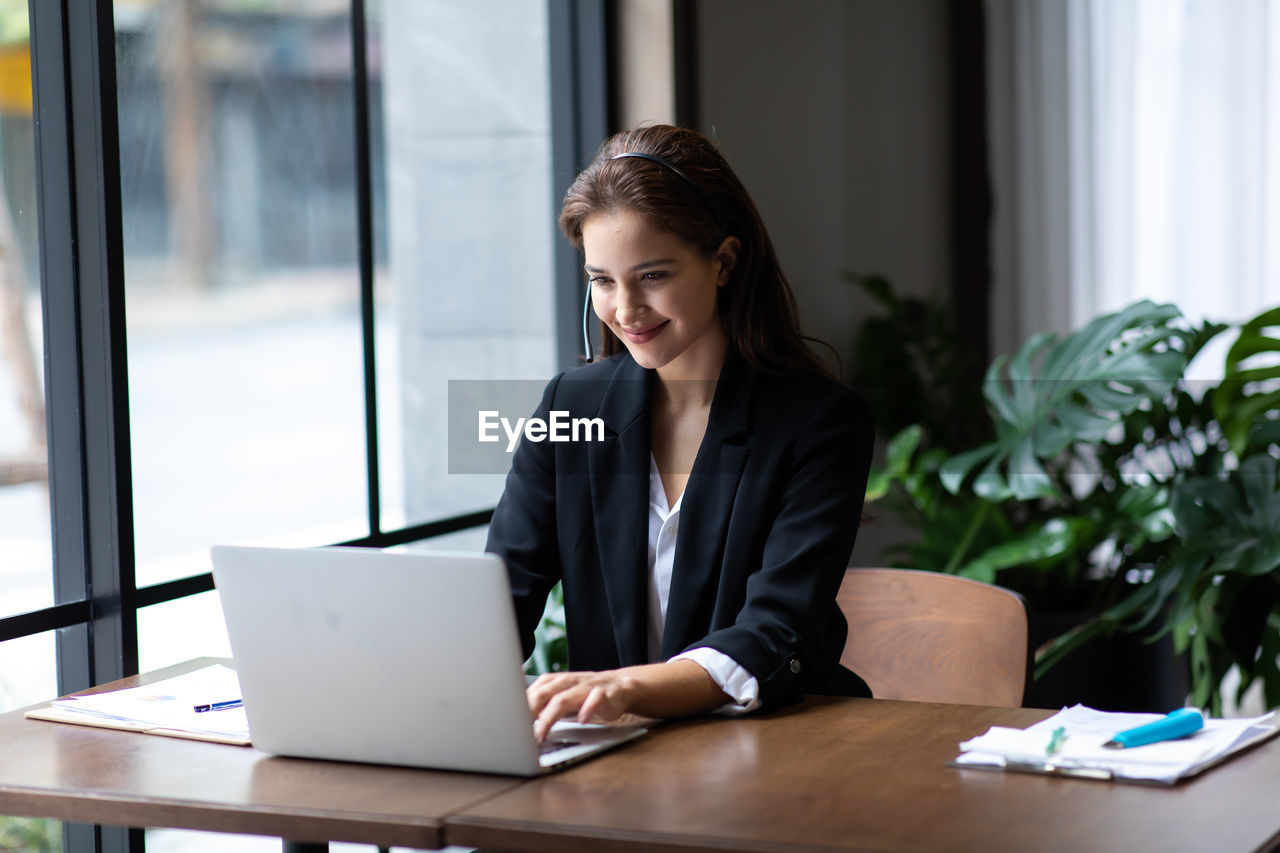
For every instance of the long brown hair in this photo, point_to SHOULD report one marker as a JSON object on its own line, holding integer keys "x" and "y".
{"x": 756, "y": 305}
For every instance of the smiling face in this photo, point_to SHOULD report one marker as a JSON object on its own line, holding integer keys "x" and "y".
{"x": 657, "y": 293}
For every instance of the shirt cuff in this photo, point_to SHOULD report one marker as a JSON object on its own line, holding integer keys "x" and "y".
{"x": 738, "y": 684}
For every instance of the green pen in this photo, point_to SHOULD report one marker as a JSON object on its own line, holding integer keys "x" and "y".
{"x": 1055, "y": 740}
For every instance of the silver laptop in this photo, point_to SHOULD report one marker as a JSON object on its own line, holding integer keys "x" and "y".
{"x": 357, "y": 654}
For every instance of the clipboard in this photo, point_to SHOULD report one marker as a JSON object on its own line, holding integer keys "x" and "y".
{"x": 166, "y": 708}
{"x": 55, "y": 714}
{"x": 1121, "y": 768}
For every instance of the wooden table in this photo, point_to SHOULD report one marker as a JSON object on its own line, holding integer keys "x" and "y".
{"x": 864, "y": 774}
{"x": 88, "y": 775}
{"x": 831, "y": 774}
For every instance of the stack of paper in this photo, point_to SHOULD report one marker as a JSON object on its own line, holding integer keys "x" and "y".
{"x": 1080, "y": 751}
{"x": 163, "y": 707}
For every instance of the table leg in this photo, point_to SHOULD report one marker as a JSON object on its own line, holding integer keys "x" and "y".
{"x": 288, "y": 846}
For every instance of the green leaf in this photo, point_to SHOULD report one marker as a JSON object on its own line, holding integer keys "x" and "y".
{"x": 1082, "y": 425}
{"x": 1226, "y": 569}
{"x": 990, "y": 484}
{"x": 1259, "y": 486}
{"x": 992, "y": 386}
{"x": 1260, "y": 557}
{"x": 551, "y": 650}
{"x": 1150, "y": 598}
{"x": 1248, "y": 390}
{"x": 1050, "y": 540}
{"x": 953, "y": 471}
{"x": 1147, "y": 508}
{"x": 1251, "y": 344}
{"x": 877, "y": 485}
{"x": 1084, "y": 384}
{"x": 1027, "y": 477}
{"x": 1246, "y": 411}
{"x": 1244, "y": 376}
{"x": 1201, "y": 677}
{"x": 901, "y": 448}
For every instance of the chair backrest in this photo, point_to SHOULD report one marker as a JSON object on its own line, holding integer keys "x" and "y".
{"x": 932, "y": 637}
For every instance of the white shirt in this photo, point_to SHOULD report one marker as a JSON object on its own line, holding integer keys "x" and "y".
{"x": 664, "y": 526}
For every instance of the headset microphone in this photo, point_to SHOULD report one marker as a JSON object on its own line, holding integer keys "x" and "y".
{"x": 586, "y": 328}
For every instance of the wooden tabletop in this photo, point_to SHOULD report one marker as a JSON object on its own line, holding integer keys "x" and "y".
{"x": 92, "y": 775}
{"x": 830, "y": 774}
{"x": 862, "y": 774}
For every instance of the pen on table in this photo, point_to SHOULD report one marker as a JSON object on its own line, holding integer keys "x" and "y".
{"x": 1055, "y": 740}
{"x": 218, "y": 706}
{"x": 1175, "y": 724}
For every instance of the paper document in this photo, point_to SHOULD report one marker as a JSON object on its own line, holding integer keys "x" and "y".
{"x": 162, "y": 707}
{"x": 1079, "y": 752}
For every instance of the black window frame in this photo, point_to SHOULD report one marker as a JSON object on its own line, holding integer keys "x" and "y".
{"x": 95, "y": 614}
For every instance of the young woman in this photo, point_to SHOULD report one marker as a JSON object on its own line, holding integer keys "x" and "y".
{"x": 701, "y": 543}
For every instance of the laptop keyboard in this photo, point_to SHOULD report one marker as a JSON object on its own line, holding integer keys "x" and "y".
{"x": 555, "y": 744}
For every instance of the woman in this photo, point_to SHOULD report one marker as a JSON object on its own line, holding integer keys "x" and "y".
{"x": 702, "y": 541}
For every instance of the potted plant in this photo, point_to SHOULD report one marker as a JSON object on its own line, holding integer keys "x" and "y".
{"x": 1111, "y": 487}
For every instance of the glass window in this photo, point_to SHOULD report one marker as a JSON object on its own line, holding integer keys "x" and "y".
{"x": 28, "y": 673}
{"x": 471, "y": 539}
{"x": 26, "y": 542}
{"x": 179, "y": 630}
{"x": 27, "y": 676}
{"x": 465, "y": 287}
{"x": 30, "y": 833}
{"x": 238, "y": 178}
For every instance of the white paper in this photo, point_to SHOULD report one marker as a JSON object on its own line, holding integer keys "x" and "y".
{"x": 1087, "y": 729}
{"x": 170, "y": 704}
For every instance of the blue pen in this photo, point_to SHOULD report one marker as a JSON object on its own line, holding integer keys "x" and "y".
{"x": 219, "y": 706}
{"x": 1176, "y": 724}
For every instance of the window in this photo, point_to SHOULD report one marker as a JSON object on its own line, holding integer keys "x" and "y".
{"x": 26, "y": 555}
{"x": 467, "y": 119}
{"x": 242, "y": 285}
{"x": 28, "y": 665}
{"x": 257, "y": 188}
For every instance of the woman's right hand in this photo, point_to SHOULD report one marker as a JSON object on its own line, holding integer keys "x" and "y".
{"x": 675, "y": 689}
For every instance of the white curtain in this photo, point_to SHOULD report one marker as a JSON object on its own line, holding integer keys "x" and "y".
{"x": 1135, "y": 154}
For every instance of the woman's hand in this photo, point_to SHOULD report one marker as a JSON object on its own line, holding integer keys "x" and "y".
{"x": 660, "y": 690}
{"x": 588, "y": 695}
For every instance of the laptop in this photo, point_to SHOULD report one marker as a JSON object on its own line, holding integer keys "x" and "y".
{"x": 356, "y": 654}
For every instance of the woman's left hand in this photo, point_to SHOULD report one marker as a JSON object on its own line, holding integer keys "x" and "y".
{"x": 673, "y": 689}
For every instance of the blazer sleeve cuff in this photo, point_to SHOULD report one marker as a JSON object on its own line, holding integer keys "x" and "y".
{"x": 737, "y": 683}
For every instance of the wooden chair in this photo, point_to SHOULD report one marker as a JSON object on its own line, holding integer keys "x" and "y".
{"x": 931, "y": 637}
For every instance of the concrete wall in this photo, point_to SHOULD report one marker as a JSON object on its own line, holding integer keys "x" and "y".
{"x": 834, "y": 114}
{"x": 467, "y": 106}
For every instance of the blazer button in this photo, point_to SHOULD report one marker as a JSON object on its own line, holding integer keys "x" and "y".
{"x": 795, "y": 666}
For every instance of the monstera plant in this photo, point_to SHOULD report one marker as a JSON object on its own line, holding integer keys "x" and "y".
{"x": 1114, "y": 485}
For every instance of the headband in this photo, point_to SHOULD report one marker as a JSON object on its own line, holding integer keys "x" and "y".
{"x": 653, "y": 158}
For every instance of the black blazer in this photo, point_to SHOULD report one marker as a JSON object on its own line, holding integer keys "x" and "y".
{"x": 767, "y": 525}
